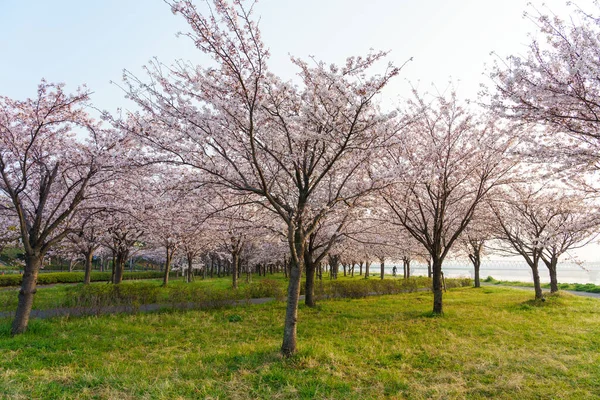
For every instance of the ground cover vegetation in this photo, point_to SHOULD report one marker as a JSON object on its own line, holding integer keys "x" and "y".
{"x": 492, "y": 342}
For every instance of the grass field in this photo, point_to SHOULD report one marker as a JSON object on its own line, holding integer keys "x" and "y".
{"x": 578, "y": 287}
{"x": 62, "y": 295}
{"x": 492, "y": 342}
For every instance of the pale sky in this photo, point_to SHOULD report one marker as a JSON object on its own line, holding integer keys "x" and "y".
{"x": 91, "y": 42}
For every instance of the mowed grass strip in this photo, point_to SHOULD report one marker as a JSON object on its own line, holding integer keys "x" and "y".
{"x": 491, "y": 343}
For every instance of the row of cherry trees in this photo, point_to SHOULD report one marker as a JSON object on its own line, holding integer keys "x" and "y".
{"x": 228, "y": 160}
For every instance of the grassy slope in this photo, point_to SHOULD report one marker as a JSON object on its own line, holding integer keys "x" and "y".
{"x": 578, "y": 287}
{"x": 492, "y": 342}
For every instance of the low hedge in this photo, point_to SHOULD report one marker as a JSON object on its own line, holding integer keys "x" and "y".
{"x": 99, "y": 297}
{"x": 75, "y": 277}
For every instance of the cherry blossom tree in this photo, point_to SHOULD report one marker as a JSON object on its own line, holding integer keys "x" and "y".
{"x": 447, "y": 161}
{"x": 87, "y": 238}
{"x": 575, "y": 225}
{"x": 472, "y": 241}
{"x": 524, "y": 216}
{"x": 300, "y": 150}
{"x": 46, "y": 171}
{"x": 555, "y": 84}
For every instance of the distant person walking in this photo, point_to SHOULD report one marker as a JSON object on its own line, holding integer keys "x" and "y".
{"x": 394, "y": 270}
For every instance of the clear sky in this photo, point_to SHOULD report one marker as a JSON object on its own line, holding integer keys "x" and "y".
{"x": 91, "y": 42}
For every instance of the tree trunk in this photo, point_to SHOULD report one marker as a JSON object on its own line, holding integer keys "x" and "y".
{"x": 167, "y": 266}
{"x": 536, "y": 281}
{"x": 476, "y": 260}
{"x": 367, "y": 267}
{"x": 437, "y": 286}
{"x": 113, "y": 269}
{"x": 309, "y": 295}
{"x": 288, "y": 347}
{"x": 429, "y": 269}
{"x": 190, "y": 272}
{"x": 477, "y": 277}
{"x": 118, "y": 266}
{"x": 382, "y": 265}
{"x": 28, "y": 289}
{"x": 235, "y": 260}
{"x": 88, "y": 267}
{"x": 360, "y": 265}
{"x": 552, "y": 264}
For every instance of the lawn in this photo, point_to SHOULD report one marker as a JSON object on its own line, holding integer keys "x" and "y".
{"x": 578, "y": 287}
{"x": 492, "y": 342}
{"x": 66, "y": 295}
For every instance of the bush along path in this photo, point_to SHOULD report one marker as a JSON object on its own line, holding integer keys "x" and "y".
{"x": 142, "y": 297}
{"x": 51, "y": 278}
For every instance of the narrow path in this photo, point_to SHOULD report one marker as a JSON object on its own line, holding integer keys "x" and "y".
{"x": 576, "y": 293}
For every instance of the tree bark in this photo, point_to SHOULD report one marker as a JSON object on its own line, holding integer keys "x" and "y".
{"x": 367, "y": 267}
{"x": 88, "y": 267}
{"x": 437, "y": 286}
{"x": 167, "y": 266}
{"x": 536, "y": 280}
{"x": 552, "y": 264}
{"x": 429, "y": 269}
{"x": 119, "y": 266}
{"x": 476, "y": 261}
{"x": 28, "y": 289}
{"x": 235, "y": 260}
{"x": 309, "y": 295}
{"x": 288, "y": 347}
{"x": 382, "y": 265}
{"x": 190, "y": 273}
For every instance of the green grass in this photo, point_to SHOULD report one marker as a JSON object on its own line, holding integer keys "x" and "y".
{"x": 578, "y": 287}
{"x": 179, "y": 291}
{"x": 492, "y": 342}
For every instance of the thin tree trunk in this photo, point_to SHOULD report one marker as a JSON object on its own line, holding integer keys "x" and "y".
{"x": 367, "y": 268}
{"x": 28, "y": 289}
{"x": 288, "y": 347}
{"x": 309, "y": 295}
{"x": 113, "y": 275}
{"x": 552, "y": 264}
{"x": 536, "y": 281}
{"x": 382, "y": 265}
{"x": 167, "y": 266}
{"x": 437, "y": 286}
{"x": 360, "y": 265}
{"x": 476, "y": 260}
{"x": 190, "y": 272}
{"x": 88, "y": 266}
{"x": 429, "y": 269}
{"x": 235, "y": 260}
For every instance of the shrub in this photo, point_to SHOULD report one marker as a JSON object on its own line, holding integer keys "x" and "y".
{"x": 100, "y": 298}
{"x": 74, "y": 277}
{"x": 265, "y": 288}
{"x": 458, "y": 282}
